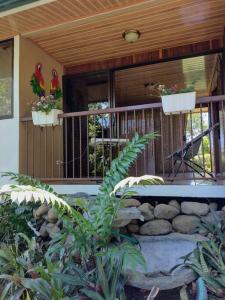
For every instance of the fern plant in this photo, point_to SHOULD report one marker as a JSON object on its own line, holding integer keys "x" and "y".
{"x": 107, "y": 204}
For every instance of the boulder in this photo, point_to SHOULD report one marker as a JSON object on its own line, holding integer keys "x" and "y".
{"x": 42, "y": 210}
{"x": 156, "y": 227}
{"x": 175, "y": 203}
{"x": 131, "y": 203}
{"x": 125, "y": 215}
{"x": 194, "y": 208}
{"x": 52, "y": 215}
{"x": 164, "y": 211}
{"x": 185, "y": 224}
{"x": 43, "y": 230}
{"x": 133, "y": 228}
{"x": 52, "y": 229}
{"x": 146, "y": 210}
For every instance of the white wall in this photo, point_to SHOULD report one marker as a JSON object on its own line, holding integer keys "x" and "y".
{"x": 9, "y": 128}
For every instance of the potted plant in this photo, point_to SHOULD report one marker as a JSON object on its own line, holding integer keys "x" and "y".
{"x": 175, "y": 101}
{"x": 45, "y": 111}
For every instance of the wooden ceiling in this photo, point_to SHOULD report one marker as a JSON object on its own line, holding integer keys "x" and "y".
{"x": 76, "y": 32}
{"x": 131, "y": 83}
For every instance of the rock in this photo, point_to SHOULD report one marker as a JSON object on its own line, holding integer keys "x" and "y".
{"x": 43, "y": 230}
{"x": 185, "y": 224}
{"x": 147, "y": 211}
{"x": 42, "y": 210}
{"x": 213, "y": 206}
{"x": 164, "y": 211}
{"x": 125, "y": 215}
{"x": 223, "y": 208}
{"x": 156, "y": 227}
{"x": 133, "y": 228}
{"x": 175, "y": 203}
{"x": 131, "y": 203}
{"x": 194, "y": 208}
{"x": 52, "y": 229}
{"x": 52, "y": 215}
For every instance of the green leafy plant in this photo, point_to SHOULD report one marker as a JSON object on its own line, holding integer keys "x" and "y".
{"x": 85, "y": 238}
{"x": 16, "y": 263}
{"x": 207, "y": 261}
{"x": 216, "y": 226}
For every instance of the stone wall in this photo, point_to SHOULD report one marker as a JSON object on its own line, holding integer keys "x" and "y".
{"x": 160, "y": 219}
{"x": 148, "y": 218}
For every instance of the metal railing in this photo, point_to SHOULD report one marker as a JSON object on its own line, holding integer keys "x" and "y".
{"x": 187, "y": 147}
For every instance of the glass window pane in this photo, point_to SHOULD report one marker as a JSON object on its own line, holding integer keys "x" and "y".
{"x": 6, "y": 79}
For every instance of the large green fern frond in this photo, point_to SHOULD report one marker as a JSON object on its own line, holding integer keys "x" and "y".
{"x": 125, "y": 159}
{"x": 132, "y": 181}
{"x": 25, "y": 193}
{"x": 27, "y": 180}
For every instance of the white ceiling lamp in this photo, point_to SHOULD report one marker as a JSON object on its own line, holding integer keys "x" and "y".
{"x": 131, "y": 36}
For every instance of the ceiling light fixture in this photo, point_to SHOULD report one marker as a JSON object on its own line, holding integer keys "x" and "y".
{"x": 131, "y": 36}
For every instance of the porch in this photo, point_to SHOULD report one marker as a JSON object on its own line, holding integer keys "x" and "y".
{"x": 81, "y": 151}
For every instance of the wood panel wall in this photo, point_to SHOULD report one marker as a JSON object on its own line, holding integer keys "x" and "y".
{"x": 149, "y": 57}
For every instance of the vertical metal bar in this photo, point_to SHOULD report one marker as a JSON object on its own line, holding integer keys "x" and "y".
{"x": 135, "y": 130}
{"x": 210, "y": 140}
{"x": 126, "y": 125}
{"x": 46, "y": 152}
{"x": 33, "y": 174}
{"x": 110, "y": 138}
{"x": 118, "y": 130}
{"x": 153, "y": 141}
{"x": 59, "y": 152}
{"x": 88, "y": 167}
{"x": 203, "y": 150}
{"x": 213, "y": 136}
{"x": 162, "y": 142}
{"x": 192, "y": 153}
{"x": 103, "y": 148}
{"x": 80, "y": 147}
{"x": 66, "y": 150}
{"x": 73, "y": 148}
{"x": 39, "y": 151}
{"x": 181, "y": 141}
{"x": 171, "y": 144}
{"x": 27, "y": 150}
{"x": 53, "y": 132}
{"x": 222, "y": 124}
{"x": 143, "y": 132}
{"x": 95, "y": 167}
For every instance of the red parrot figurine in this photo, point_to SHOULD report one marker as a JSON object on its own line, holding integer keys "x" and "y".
{"x": 55, "y": 86}
{"x": 37, "y": 81}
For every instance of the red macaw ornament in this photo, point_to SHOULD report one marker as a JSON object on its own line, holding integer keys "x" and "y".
{"x": 37, "y": 81}
{"x": 55, "y": 85}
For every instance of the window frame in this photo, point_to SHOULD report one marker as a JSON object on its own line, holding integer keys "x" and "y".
{"x": 11, "y": 115}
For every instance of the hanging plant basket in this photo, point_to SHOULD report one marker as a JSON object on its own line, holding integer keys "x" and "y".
{"x": 178, "y": 103}
{"x": 47, "y": 119}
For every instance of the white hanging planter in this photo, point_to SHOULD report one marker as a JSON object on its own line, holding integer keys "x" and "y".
{"x": 178, "y": 103}
{"x": 47, "y": 119}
